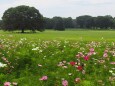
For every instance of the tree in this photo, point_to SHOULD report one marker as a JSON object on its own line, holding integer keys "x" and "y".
{"x": 58, "y": 23}
{"x": 48, "y": 23}
{"x": 75, "y": 25}
{"x": 1, "y": 24}
{"x": 104, "y": 22}
{"x": 22, "y": 18}
{"x": 68, "y": 22}
{"x": 113, "y": 23}
{"x": 108, "y": 21}
{"x": 85, "y": 21}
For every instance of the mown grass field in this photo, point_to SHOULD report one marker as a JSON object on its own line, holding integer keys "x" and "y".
{"x": 57, "y": 58}
{"x": 77, "y": 35}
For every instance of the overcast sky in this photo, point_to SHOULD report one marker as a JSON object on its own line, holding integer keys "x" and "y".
{"x": 64, "y": 8}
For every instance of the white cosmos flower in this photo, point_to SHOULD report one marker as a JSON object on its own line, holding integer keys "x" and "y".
{"x": 37, "y": 48}
{"x": 2, "y": 65}
{"x": 113, "y": 74}
{"x": 69, "y": 74}
{"x": 110, "y": 71}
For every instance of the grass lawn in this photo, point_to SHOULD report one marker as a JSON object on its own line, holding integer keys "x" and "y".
{"x": 86, "y": 35}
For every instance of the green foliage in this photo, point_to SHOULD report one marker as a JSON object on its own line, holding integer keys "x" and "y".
{"x": 2, "y": 78}
{"x": 87, "y": 83}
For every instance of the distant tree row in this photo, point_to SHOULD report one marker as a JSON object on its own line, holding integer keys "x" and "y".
{"x": 99, "y": 22}
{"x": 59, "y": 23}
{"x": 83, "y": 22}
{"x": 29, "y": 18}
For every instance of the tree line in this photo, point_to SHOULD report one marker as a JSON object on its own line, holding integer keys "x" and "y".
{"x": 83, "y": 22}
{"x": 29, "y": 18}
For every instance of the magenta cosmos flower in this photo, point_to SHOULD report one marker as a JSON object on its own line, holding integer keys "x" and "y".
{"x": 7, "y": 84}
{"x": 80, "y": 68}
{"x": 86, "y": 58}
{"x": 72, "y": 63}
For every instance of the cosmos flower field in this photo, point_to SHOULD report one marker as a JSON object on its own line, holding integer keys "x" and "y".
{"x": 39, "y": 62}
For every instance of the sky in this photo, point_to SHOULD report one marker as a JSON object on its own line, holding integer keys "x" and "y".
{"x": 64, "y": 8}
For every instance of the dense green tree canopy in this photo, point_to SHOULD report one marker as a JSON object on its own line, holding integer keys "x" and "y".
{"x": 49, "y": 24}
{"x": 104, "y": 22}
{"x": 1, "y": 24}
{"x": 85, "y": 21}
{"x": 68, "y": 22}
{"x": 22, "y": 18}
{"x": 99, "y": 22}
{"x": 58, "y": 23}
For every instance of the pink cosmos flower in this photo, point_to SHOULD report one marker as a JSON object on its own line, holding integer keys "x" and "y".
{"x": 106, "y": 51}
{"x": 80, "y": 54}
{"x": 65, "y": 83}
{"x": 89, "y": 53}
{"x": 5, "y": 59}
{"x": 44, "y": 78}
{"x": 101, "y": 61}
{"x": 86, "y": 58}
{"x": 105, "y": 55}
{"x": 61, "y": 64}
{"x": 77, "y": 80}
{"x": 91, "y": 49}
{"x": 113, "y": 63}
{"x": 7, "y": 84}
